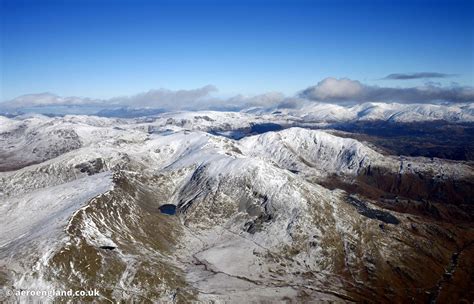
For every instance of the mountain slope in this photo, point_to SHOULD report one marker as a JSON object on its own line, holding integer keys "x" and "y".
{"x": 301, "y": 149}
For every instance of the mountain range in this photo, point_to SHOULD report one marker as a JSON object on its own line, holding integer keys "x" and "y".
{"x": 232, "y": 207}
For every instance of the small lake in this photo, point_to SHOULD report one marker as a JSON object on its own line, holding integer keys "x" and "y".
{"x": 265, "y": 127}
{"x": 169, "y": 209}
{"x": 253, "y": 130}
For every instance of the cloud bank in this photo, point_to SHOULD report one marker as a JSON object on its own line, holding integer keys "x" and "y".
{"x": 352, "y": 91}
{"x": 420, "y": 75}
{"x": 47, "y": 99}
{"x": 342, "y": 91}
{"x": 160, "y": 98}
{"x": 164, "y": 98}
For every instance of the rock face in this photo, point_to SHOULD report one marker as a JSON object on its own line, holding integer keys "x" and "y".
{"x": 259, "y": 219}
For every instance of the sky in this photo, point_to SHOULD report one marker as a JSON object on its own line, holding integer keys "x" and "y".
{"x": 104, "y": 48}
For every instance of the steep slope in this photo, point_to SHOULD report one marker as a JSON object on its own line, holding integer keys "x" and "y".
{"x": 300, "y": 149}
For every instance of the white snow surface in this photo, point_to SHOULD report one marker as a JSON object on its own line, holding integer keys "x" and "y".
{"x": 302, "y": 149}
{"x": 395, "y": 112}
{"x": 33, "y": 217}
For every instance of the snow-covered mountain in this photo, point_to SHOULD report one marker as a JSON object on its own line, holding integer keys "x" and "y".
{"x": 255, "y": 221}
{"x": 372, "y": 111}
{"x": 300, "y": 149}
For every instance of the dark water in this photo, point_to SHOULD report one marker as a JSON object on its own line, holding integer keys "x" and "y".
{"x": 265, "y": 127}
{"x": 254, "y": 129}
{"x": 108, "y": 247}
{"x": 168, "y": 209}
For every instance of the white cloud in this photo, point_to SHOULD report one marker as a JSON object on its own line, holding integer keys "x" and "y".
{"x": 47, "y": 99}
{"x": 347, "y": 90}
{"x": 168, "y": 99}
{"x": 161, "y": 98}
{"x": 334, "y": 89}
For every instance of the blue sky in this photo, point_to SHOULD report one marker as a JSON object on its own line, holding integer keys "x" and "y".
{"x": 102, "y": 49}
